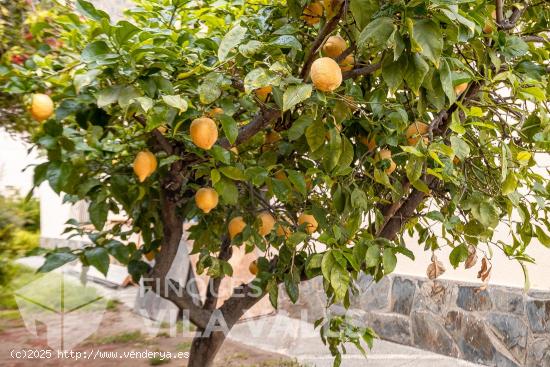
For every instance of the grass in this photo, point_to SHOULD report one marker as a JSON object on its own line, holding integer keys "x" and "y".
{"x": 183, "y": 347}
{"x": 157, "y": 361}
{"x": 43, "y": 289}
{"x": 121, "y": 338}
{"x": 10, "y": 315}
{"x": 112, "y": 304}
{"x": 24, "y": 275}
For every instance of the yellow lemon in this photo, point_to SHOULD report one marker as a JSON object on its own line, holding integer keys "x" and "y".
{"x": 334, "y": 46}
{"x": 312, "y": 13}
{"x": 204, "y": 132}
{"x": 41, "y": 107}
{"x": 267, "y": 223}
{"x": 415, "y": 131}
{"x": 206, "y": 199}
{"x": 326, "y": 74}
{"x": 144, "y": 165}
{"x": 310, "y": 221}
{"x": 459, "y": 89}
{"x": 236, "y": 226}
{"x": 347, "y": 63}
{"x": 386, "y": 154}
{"x": 263, "y": 92}
{"x": 253, "y": 267}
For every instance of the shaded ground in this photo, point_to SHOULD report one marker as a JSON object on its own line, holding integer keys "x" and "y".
{"x": 121, "y": 330}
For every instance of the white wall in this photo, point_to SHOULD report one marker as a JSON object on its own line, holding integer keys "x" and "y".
{"x": 13, "y": 160}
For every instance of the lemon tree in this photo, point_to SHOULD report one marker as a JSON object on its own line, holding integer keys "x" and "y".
{"x": 320, "y": 134}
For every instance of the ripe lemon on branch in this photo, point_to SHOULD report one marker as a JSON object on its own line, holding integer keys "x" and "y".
{"x": 144, "y": 165}
{"x": 206, "y": 199}
{"x": 204, "y": 132}
{"x": 310, "y": 221}
{"x": 253, "y": 267}
{"x": 41, "y": 107}
{"x": 263, "y": 92}
{"x": 415, "y": 131}
{"x": 385, "y": 154}
{"x": 459, "y": 89}
{"x": 267, "y": 222}
{"x": 347, "y": 63}
{"x": 326, "y": 74}
{"x": 334, "y": 46}
{"x": 236, "y": 226}
{"x": 312, "y": 13}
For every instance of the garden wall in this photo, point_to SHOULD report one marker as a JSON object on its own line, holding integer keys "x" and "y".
{"x": 500, "y": 326}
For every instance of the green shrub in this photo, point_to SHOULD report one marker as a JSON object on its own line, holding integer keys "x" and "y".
{"x": 19, "y": 231}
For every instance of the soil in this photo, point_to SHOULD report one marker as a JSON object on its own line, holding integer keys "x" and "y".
{"x": 122, "y": 331}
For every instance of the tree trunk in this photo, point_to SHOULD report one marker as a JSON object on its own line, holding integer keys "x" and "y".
{"x": 204, "y": 349}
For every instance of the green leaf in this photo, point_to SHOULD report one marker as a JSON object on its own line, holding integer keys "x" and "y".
{"x": 295, "y": 94}
{"x": 145, "y": 103}
{"x": 230, "y": 128}
{"x": 95, "y": 51}
{"x": 460, "y": 147}
{"x": 392, "y": 71}
{"x": 315, "y": 135}
{"x": 389, "y": 260}
{"x": 346, "y": 156}
{"x": 377, "y": 33}
{"x": 372, "y": 258}
{"x": 542, "y": 236}
{"x": 339, "y": 280}
{"x": 176, "y": 101}
{"x": 98, "y": 211}
{"x": 298, "y": 127}
{"x": 362, "y": 11}
{"x": 414, "y": 168}
{"x": 210, "y": 88}
{"x": 510, "y": 184}
{"x": 108, "y": 96}
{"x": 446, "y": 78}
{"x": 231, "y": 40}
{"x": 98, "y": 257}
{"x": 228, "y": 191}
{"x": 488, "y": 214}
{"x": 259, "y": 78}
{"x": 458, "y": 255}
{"x": 298, "y": 181}
{"x": 55, "y": 260}
{"x": 124, "y": 31}
{"x": 327, "y": 264}
{"x": 292, "y": 288}
{"x": 87, "y": 9}
{"x": 233, "y": 173}
{"x": 428, "y": 37}
{"x": 417, "y": 69}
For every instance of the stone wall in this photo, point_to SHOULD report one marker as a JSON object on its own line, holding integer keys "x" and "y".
{"x": 500, "y": 326}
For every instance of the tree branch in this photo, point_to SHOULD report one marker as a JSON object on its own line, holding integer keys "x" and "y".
{"x": 404, "y": 210}
{"x": 366, "y": 70}
{"x": 323, "y": 33}
{"x": 212, "y": 292}
{"x": 161, "y": 139}
{"x": 262, "y": 119}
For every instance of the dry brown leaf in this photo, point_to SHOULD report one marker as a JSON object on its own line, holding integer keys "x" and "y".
{"x": 435, "y": 269}
{"x": 484, "y": 273}
{"x": 471, "y": 261}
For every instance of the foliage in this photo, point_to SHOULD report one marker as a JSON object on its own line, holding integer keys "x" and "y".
{"x": 29, "y": 41}
{"x": 123, "y": 87}
{"x": 19, "y": 226}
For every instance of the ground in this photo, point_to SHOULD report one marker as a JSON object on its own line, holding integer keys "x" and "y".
{"x": 121, "y": 330}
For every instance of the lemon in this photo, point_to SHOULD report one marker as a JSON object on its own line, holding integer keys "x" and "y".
{"x": 204, "y": 132}
{"x": 206, "y": 199}
{"x": 41, "y": 107}
{"x": 326, "y": 74}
